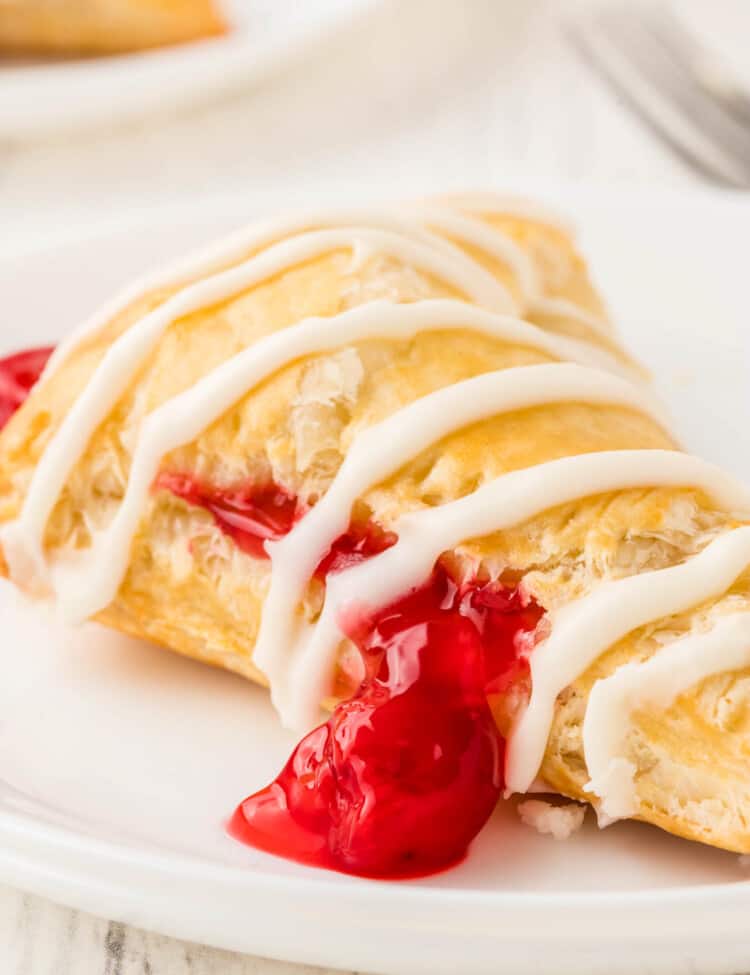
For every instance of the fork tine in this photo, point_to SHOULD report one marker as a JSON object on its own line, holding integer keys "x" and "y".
{"x": 641, "y": 38}
{"x": 703, "y": 63}
{"x": 615, "y": 50}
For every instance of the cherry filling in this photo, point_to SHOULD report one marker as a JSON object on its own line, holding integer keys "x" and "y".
{"x": 252, "y": 515}
{"x": 18, "y": 373}
{"x": 401, "y": 778}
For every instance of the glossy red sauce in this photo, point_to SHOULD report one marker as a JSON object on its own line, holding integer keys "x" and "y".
{"x": 401, "y": 778}
{"x": 259, "y": 513}
{"x": 250, "y": 515}
{"x": 18, "y": 373}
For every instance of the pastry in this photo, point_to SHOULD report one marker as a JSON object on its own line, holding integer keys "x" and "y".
{"x": 397, "y": 461}
{"x": 103, "y": 26}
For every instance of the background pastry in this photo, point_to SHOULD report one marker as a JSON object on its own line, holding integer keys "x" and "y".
{"x": 103, "y": 26}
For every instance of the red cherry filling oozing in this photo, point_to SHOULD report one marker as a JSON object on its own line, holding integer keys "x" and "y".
{"x": 253, "y": 515}
{"x": 18, "y": 373}
{"x": 401, "y": 778}
{"x": 250, "y": 515}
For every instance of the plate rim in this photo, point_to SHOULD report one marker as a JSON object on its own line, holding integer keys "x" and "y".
{"x": 136, "y": 887}
{"x": 224, "y": 203}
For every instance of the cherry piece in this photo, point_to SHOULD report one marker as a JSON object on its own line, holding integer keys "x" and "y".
{"x": 250, "y": 515}
{"x": 18, "y": 373}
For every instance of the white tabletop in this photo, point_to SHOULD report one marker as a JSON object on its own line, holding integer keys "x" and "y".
{"x": 419, "y": 95}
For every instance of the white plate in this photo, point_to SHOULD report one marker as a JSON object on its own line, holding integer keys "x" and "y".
{"x": 42, "y": 95}
{"x": 119, "y": 762}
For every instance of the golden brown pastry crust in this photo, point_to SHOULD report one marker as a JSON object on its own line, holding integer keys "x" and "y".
{"x": 189, "y": 588}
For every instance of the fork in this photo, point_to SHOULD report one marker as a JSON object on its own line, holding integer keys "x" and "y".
{"x": 665, "y": 74}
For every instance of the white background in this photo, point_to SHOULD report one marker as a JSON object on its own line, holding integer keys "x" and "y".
{"x": 420, "y": 94}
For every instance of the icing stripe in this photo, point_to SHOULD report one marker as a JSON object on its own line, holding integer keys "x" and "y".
{"x": 390, "y": 235}
{"x": 502, "y": 204}
{"x": 248, "y": 239}
{"x": 83, "y": 590}
{"x": 502, "y": 503}
{"x": 477, "y": 233}
{"x": 563, "y": 308}
{"x": 501, "y": 246}
{"x": 586, "y": 628}
{"x": 656, "y": 682}
{"x": 419, "y": 224}
{"x": 235, "y": 246}
{"x": 382, "y": 449}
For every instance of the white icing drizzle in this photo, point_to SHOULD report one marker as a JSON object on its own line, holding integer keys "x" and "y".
{"x": 235, "y": 246}
{"x": 502, "y": 247}
{"x": 483, "y": 236}
{"x": 88, "y": 582}
{"x": 251, "y": 238}
{"x": 503, "y": 204}
{"x": 383, "y": 448}
{"x": 582, "y": 630}
{"x": 123, "y": 358}
{"x": 420, "y": 223}
{"x": 564, "y": 308}
{"x": 500, "y": 504}
{"x": 657, "y": 682}
{"x": 361, "y": 224}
